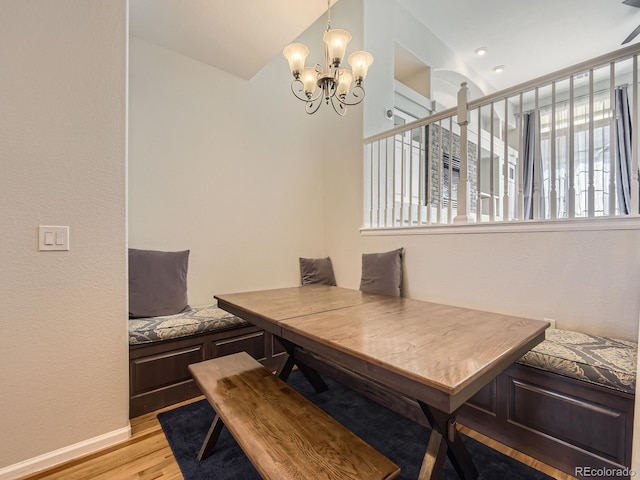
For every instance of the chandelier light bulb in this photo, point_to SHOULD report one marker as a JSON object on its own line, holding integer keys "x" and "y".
{"x": 335, "y": 42}
{"x": 360, "y": 62}
{"x": 309, "y": 80}
{"x": 296, "y": 54}
{"x": 345, "y": 79}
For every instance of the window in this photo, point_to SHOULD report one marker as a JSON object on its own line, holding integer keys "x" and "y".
{"x": 601, "y": 156}
{"x": 454, "y": 168}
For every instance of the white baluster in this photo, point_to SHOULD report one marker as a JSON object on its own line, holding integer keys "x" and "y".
{"x": 613, "y": 152}
{"x": 505, "y": 163}
{"x": 429, "y": 163}
{"x": 537, "y": 169}
{"x": 519, "y": 160}
{"x": 635, "y": 178}
{"x": 479, "y": 168}
{"x": 367, "y": 165}
{"x": 420, "y": 159}
{"x": 450, "y": 176}
{"x": 553, "y": 194}
{"x": 492, "y": 193}
{"x": 572, "y": 155}
{"x": 591, "y": 193}
{"x": 440, "y": 170}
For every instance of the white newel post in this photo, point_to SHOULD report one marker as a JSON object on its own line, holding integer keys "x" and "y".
{"x": 464, "y": 203}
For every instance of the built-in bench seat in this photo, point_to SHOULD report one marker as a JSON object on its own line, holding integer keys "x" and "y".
{"x": 568, "y": 402}
{"x": 162, "y": 348}
{"x": 603, "y": 361}
{"x": 197, "y": 320}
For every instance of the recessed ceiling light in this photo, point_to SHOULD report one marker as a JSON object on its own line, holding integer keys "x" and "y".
{"x": 481, "y": 51}
{"x": 498, "y": 68}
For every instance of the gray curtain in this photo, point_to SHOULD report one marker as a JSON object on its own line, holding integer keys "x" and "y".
{"x": 531, "y": 171}
{"x": 623, "y": 150}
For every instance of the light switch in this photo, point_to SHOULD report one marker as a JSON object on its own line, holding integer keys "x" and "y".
{"x": 53, "y": 238}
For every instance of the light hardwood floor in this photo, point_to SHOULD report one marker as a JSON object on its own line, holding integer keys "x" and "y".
{"x": 147, "y": 455}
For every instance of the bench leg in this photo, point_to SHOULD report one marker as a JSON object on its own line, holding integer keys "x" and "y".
{"x": 312, "y": 376}
{"x": 445, "y": 438}
{"x": 434, "y": 458}
{"x": 211, "y": 439}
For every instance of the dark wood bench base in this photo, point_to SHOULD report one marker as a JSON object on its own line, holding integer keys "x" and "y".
{"x": 158, "y": 371}
{"x": 283, "y": 434}
{"x": 563, "y": 422}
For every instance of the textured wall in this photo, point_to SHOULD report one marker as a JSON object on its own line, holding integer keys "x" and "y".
{"x": 63, "y": 348}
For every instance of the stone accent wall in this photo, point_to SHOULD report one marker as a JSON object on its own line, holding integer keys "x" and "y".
{"x": 433, "y": 133}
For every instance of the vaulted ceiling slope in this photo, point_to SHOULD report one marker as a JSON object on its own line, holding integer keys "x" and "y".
{"x": 237, "y": 36}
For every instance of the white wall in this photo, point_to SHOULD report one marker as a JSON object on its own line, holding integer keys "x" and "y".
{"x": 228, "y": 168}
{"x": 63, "y": 347}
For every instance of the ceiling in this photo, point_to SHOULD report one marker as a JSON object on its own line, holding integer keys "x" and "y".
{"x": 237, "y": 36}
{"x": 530, "y": 38}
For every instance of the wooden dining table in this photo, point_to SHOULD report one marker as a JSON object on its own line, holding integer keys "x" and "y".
{"x": 438, "y": 355}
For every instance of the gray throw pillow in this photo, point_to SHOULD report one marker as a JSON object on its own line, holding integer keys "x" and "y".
{"x": 382, "y": 272}
{"x": 157, "y": 283}
{"x": 317, "y": 271}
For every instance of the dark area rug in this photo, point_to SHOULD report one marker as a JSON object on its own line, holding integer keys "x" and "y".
{"x": 401, "y": 440}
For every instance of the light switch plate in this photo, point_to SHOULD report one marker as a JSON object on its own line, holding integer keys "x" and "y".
{"x": 53, "y": 238}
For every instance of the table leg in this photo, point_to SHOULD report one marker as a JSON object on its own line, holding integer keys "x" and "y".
{"x": 284, "y": 370}
{"x": 445, "y": 438}
{"x": 211, "y": 439}
{"x": 312, "y": 376}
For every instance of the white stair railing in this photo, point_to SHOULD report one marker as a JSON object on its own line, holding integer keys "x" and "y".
{"x": 466, "y": 164}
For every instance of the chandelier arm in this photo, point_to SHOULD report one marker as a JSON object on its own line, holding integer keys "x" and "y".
{"x": 310, "y": 108}
{"x": 357, "y": 92}
{"x": 303, "y": 96}
{"x": 340, "y": 109}
{"x": 332, "y": 88}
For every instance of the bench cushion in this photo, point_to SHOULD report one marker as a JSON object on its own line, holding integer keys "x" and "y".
{"x": 202, "y": 319}
{"x": 603, "y": 361}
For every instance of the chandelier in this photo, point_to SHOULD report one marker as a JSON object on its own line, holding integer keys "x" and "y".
{"x": 339, "y": 86}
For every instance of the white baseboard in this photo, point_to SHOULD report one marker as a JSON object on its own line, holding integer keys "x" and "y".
{"x": 65, "y": 454}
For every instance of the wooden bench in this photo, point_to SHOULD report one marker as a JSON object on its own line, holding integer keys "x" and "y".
{"x": 283, "y": 434}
